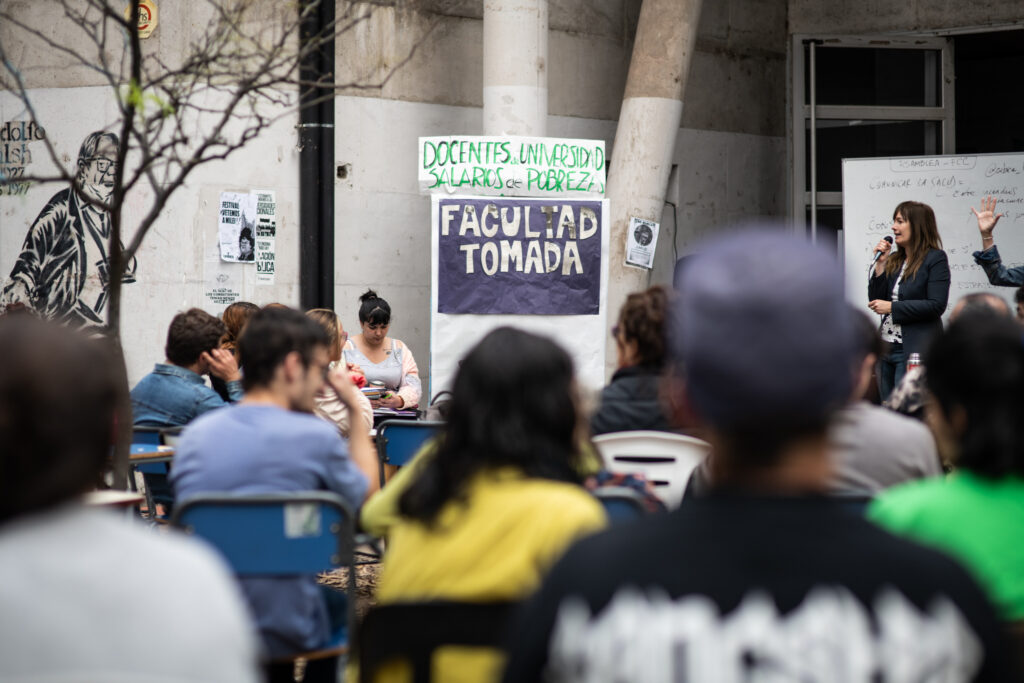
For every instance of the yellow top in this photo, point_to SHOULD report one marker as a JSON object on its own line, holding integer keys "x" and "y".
{"x": 497, "y": 545}
{"x": 380, "y": 512}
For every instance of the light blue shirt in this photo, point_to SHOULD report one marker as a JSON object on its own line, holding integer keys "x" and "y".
{"x": 173, "y": 396}
{"x": 266, "y": 449}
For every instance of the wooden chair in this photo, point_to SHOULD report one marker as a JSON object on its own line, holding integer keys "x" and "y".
{"x": 279, "y": 534}
{"x": 399, "y": 440}
{"x": 414, "y": 631}
{"x": 665, "y": 459}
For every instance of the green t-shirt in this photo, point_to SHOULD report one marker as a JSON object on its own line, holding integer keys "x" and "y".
{"x": 977, "y": 520}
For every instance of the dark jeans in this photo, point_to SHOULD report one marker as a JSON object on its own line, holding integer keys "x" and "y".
{"x": 891, "y": 368}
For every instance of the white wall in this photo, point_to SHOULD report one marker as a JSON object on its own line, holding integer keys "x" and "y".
{"x": 383, "y": 222}
{"x": 179, "y": 257}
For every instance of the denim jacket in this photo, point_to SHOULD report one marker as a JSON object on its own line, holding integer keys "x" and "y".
{"x": 172, "y": 396}
{"x": 997, "y": 273}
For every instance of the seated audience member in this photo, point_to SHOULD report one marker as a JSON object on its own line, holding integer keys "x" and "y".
{"x": 329, "y": 405}
{"x": 271, "y": 442}
{"x": 234, "y": 317}
{"x": 174, "y": 394}
{"x": 910, "y": 396}
{"x": 630, "y": 401}
{"x": 976, "y": 381}
{"x": 380, "y": 513}
{"x": 382, "y": 358}
{"x": 500, "y": 499}
{"x": 874, "y": 447}
{"x": 81, "y": 587}
{"x": 764, "y": 578}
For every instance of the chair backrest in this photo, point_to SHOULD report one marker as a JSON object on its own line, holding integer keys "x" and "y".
{"x": 621, "y": 503}
{"x": 159, "y": 436}
{"x": 276, "y": 534}
{"x": 151, "y": 436}
{"x": 665, "y": 459}
{"x": 413, "y": 631}
{"x": 398, "y": 440}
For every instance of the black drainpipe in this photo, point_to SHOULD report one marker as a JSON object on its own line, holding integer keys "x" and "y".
{"x": 316, "y": 161}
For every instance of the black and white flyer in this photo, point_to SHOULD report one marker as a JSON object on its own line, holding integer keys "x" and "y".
{"x": 237, "y": 227}
{"x": 266, "y": 236}
{"x": 641, "y": 241}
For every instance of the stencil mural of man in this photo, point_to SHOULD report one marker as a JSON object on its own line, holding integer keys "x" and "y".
{"x": 63, "y": 270}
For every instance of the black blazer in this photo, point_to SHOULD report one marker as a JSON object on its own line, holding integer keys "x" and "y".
{"x": 922, "y": 299}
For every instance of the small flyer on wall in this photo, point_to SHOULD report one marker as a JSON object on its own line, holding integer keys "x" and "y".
{"x": 266, "y": 236}
{"x": 641, "y": 241}
{"x": 237, "y": 227}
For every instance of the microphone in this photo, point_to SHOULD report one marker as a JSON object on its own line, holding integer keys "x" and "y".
{"x": 878, "y": 254}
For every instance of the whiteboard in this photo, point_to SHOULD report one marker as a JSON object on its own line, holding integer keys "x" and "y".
{"x": 951, "y": 185}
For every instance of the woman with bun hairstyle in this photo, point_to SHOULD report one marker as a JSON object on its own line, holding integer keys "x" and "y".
{"x": 908, "y": 289}
{"x": 383, "y": 358}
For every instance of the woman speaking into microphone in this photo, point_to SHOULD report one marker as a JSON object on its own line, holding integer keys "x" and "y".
{"x": 909, "y": 289}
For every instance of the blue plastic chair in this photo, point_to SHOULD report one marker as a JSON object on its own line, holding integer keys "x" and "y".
{"x": 399, "y": 440}
{"x": 154, "y": 475}
{"x": 277, "y": 534}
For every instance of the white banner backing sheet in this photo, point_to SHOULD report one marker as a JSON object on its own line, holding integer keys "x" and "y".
{"x": 582, "y": 335}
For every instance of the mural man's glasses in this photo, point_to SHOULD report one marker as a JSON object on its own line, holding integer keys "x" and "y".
{"x": 103, "y": 164}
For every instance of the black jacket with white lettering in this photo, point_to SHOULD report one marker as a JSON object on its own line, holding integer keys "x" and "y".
{"x": 736, "y": 587}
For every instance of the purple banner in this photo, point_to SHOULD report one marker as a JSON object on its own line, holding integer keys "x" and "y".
{"x": 510, "y": 255}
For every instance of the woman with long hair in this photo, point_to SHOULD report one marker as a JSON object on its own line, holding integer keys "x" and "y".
{"x": 909, "y": 289}
{"x": 631, "y": 400}
{"x": 501, "y": 498}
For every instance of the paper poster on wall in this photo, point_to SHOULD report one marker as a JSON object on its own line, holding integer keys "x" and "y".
{"x": 221, "y": 290}
{"x": 237, "y": 222}
{"x": 512, "y": 166}
{"x": 641, "y": 242}
{"x": 510, "y": 255}
{"x": 266, "y": 236}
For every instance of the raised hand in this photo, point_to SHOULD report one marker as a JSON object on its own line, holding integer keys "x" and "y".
{"x": 987, "y": 217}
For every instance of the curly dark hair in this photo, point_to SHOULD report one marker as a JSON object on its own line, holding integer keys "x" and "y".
{"x": 642, "y": 319}
{"x": 512, "y": 405}
{"x": 977, "y": 369}
{"x": 191, "y": 333}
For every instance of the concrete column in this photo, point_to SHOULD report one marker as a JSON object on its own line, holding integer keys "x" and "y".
{"x": 515, "y": 67}
{"x": 645, "y": 138}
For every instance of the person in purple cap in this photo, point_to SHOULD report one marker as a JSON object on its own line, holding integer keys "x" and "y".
{"x": 764, "y": 578}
